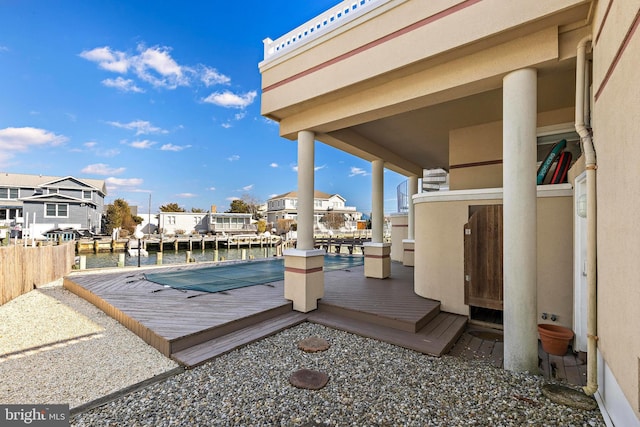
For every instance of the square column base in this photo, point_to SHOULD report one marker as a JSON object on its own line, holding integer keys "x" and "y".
{"x": 408, "y": 258}
{"x": 377, "y": 260}
{"x": 304, "y": 278}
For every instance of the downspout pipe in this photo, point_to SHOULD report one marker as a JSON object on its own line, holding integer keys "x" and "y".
{"x": 591, "y": 166}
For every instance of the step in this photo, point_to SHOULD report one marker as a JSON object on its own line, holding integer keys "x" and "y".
{"x": 391, "y": 319}
{"x": 215, "y": 331}
{"x": 435, "y": 339}
{"x": 208, "y": 350}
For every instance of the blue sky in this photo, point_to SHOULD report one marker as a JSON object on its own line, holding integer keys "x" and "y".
{"x": 159, "y": 98}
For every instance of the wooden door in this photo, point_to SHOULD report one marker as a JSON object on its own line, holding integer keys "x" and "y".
{"x": 483, "y": 257}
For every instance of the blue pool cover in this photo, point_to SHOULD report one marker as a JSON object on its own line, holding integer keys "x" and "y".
{"x": 239, "y": 275}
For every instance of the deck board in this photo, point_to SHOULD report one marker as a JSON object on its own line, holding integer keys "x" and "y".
{"x": 569, "y": 368}
{"x": 194, "y": 326}
{"x": 208, "y": 350}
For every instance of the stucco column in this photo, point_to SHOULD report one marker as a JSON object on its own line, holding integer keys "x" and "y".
{"x": 519, "y": 182}
{"x": 377, "y": 261}
{"x": 408, "y": 245}
{"x": 303, "y": 266}
{"x": 306, "y": 159}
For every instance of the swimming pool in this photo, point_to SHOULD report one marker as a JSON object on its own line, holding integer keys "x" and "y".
{"x": 220, "y": 278}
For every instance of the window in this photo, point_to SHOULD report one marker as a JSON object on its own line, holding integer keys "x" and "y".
{"x": 56, "y": 210}
{"x": 8, "y": 193}
{"x": 171, "y": 219}
{"x": 86, "y": 194}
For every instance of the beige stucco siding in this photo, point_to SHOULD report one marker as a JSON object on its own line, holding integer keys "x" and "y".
{"x": 440, "y": 247}
{"x": 616, "y": 135}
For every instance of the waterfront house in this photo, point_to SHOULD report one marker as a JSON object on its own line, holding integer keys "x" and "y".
{"x": 483, "y": 89}
{"x": 205, "y": 222}
{"x": 285, "y": 207}
{"x": 40, "y": 203}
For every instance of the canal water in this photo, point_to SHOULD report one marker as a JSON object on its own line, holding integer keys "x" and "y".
{"x": 109, "y": 259}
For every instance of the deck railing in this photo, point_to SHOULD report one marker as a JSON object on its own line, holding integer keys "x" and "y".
{"x": 337, "y": 15}
{"x": 23, "y": 268}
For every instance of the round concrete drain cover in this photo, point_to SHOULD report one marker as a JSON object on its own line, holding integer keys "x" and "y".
{"x": 306, "y": 378}
{"x": 313, "y": 344}
{"x": 569, "y": 397}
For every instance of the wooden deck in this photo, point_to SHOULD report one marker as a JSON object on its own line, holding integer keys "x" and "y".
{"x": 193, "y": 327}
{"x": 477, "y": 343}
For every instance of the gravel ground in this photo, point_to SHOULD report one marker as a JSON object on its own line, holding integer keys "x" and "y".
{"x": 370, "y": 383}
{"x": 55, "y": 347}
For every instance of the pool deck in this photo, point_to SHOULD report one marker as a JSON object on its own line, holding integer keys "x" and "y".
{"x": 193, "y": 327}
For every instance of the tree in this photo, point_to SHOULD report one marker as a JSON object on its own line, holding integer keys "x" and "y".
{"x": 333, "y": 220}
{"x": 197, "y": 210}
{"x": 283, "y": 225}
{"x": 253, "y": 206}
{"x": 119, "y": 216}
{"x": 246, "y": 204}
{"x": 171, "y": 207}
{"x": 261, "y": 226}
{"x": 238, "y": 206}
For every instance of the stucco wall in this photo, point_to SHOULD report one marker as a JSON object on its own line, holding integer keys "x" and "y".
{"x": 440, "y": 248}
{"x": 616, "y": 134}
{"x": 475, "y": 152}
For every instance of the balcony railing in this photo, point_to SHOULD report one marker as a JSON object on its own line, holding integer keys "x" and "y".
{"x": 337, "y": 15}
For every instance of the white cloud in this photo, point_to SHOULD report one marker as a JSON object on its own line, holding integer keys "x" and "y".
{"x": 229, "y": 99}
{"x": 108, "y": 59}
{"x": 71, "y": 117}
{"x": 125, "y": 85}
{"x": 274, "y": 165}
{"x": 212, "y": 188}
{"x": 142, "y": 127}
{"x": 156, "y": 66}
{"x": 144, "y": 144}
{"x": 317, "y": 168}
{"x": 124, "y": 182}
{"x": 4, "y": 49}
{"x": 226, "y": 125}
{"x": 90, "y": 144}
{"x": 240, "y": 116}
{"x": 358, "y": 171}
{"x": 102, "y": 169}
{"x": 211, "y": 76}
{"x": 247, "y": 187}
{"x": 112, "y": 152}
{"x": 13, "y": 140}
{"x": 171, "y": 147}
{"x": 233, "y": 158}
{"x": 271, "y": 196}
{"x": 186, "y": 195}
{"x": 232, "y": 198}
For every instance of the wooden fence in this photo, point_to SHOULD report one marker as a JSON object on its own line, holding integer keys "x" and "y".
{"x": 25, "y": 268}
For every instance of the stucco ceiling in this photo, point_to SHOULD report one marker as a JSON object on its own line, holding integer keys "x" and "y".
{"x": 421, "y": 136}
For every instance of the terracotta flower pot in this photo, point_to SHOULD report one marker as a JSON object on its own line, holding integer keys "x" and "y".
{"x": 555, "y": 338}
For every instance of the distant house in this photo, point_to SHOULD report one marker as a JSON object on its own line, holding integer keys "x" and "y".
{"x": 41, "y": 203}
{"x": 202, "y": 223}
{"x": 285, "y": 206}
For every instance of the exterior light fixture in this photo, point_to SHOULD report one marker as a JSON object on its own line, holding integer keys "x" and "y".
{"x": 581, "y": 206}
